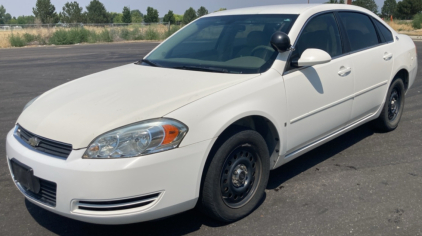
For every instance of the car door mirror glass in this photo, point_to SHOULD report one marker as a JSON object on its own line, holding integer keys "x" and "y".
{"x": 311, "y": 57}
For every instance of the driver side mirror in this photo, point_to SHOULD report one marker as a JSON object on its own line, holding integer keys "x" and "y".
{"x": 311, "y": 57}
{"x": 280, "y": 41}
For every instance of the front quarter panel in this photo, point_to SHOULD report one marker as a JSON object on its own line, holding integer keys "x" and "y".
{"x": 208, "y": 117}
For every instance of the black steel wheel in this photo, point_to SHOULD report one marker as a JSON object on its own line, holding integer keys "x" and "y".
{"x": 394, "y": 104}
{"x": 393, "y": 107}
{"x": 236, "y": 177}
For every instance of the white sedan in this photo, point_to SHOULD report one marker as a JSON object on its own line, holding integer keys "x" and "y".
{"x": 205, "y": 116}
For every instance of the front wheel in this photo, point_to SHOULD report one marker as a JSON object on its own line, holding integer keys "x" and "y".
{"x": 236, "y": 178}
{"x": 393, "y": 108}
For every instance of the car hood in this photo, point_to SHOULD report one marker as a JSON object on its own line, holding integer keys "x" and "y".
{"x": 79, "y": 111}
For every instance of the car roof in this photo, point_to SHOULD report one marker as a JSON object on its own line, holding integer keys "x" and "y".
{"x": 286, "y": 9}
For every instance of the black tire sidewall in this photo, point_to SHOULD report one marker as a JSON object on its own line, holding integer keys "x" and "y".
{"x": 212, "y": 202}
{"x": 385, "y": 123}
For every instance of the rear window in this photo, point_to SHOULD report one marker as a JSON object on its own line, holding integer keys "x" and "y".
{"x": 386, "y": 33}
{"x": 360, "y": 30}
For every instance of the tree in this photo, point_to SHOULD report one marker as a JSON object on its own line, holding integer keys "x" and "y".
{"x": 408, "y": 8}
{"x": 96, "y": 12}
{"x": 169, "y": 17}
{"x": 45, "y": 11}
{"x": 2, "y": 14}
{"x": 178, "y": 18}
{"x": 368, "y": 4}
{"x": 126, "y": 17}
{"x": 136, "y": 16}
{"x": 115, "y": 17}
{"x": 190, "y": 15}
{"x": 389, "y": 8}
{"x": 7, "y": 18}
{"x": 25, "y": 20}
{"x": 151, "y": 16}
{"x": 72, "y": 12}
{"x": 202, "y": 11}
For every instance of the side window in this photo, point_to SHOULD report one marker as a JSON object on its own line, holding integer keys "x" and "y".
{"x": 360, "y": 30}
{"x": 386, "y": 33}
{"x": 321, "y": 32}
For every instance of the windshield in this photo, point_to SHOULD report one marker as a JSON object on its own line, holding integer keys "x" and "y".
{"x": 228, "y": 44}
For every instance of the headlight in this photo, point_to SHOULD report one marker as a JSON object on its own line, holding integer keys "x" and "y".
{"x": 138, "y": 139}
{"x": 29, "y": 103}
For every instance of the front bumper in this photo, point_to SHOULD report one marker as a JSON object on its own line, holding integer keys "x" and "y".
{"x": 174, "y": 174}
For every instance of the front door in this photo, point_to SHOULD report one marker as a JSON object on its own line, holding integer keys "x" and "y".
{"x": 320, "y": 97}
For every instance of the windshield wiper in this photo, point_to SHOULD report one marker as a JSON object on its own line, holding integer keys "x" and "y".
{"x": 200, "y": 68}
{"x": 150, "y": 62}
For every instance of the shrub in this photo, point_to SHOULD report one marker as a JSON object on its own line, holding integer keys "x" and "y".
{"x": 136, "y": 34}
{"x": 59, "y": 37}
{"x": 76, "y": 35}
{"x": 417, "y": 21}
{"x": 105, "y": 36}
{"x": 17, "y": 40}
{"x": 124, "y": 34}
{"x": 72, "y": 36}
{"x": 151, "y": 34}
{"x": 92, "y": 37}
{"x": 29, "y": 37}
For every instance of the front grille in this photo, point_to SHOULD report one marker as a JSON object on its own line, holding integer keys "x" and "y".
{"x": 44, "y": 145}
{"x": 47, "y": 194}
{"x": 116, "y": 205}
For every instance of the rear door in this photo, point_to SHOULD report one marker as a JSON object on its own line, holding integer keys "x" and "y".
{"x": 372, "y": 59}
{"x": 320, "y": 97}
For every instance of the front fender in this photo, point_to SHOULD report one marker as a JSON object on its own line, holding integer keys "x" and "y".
{"x": 208, "y": 117}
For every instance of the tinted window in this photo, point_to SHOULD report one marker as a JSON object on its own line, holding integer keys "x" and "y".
{"x": 321, "y": 33}
{"x": 386, "y": 33}
{"x": 231, "y": 44}
{"x": 360, "y": 30}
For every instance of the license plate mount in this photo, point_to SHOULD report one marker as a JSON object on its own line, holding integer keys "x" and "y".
{"x": 24, "y": 175}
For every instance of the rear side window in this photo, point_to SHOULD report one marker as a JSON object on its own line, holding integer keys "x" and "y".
{"x": 386, "y": 33}
{"x": 360, "y": 30}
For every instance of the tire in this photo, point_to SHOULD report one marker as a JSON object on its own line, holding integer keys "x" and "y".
{"x": 393, "y": 107}
{"x": 236, "y": 177}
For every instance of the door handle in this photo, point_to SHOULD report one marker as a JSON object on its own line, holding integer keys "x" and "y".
{"x": 344, "y": 71}
{"x": 388, "y": 56}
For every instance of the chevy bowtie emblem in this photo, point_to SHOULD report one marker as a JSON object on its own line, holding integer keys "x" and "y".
{"x": 34, "y": 141}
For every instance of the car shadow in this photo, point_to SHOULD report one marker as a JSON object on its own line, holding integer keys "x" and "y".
{"x": 312, "y": 75}
{"x": 318, "y": 155}
{"x": 180, "y": 224}
{"x": 193, "y": 220}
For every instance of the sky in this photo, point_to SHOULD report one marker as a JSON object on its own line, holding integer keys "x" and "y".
{"x": 24, "y": 7}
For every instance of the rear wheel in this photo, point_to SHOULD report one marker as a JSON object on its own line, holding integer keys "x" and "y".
{"x": 236, "y": 178}
{"x": 393, "y": 108}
